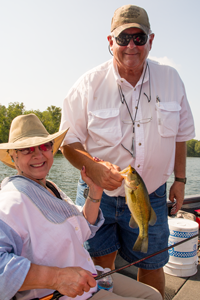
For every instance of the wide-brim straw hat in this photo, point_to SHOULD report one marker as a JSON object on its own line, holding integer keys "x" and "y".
{"x": 28, "y": 131}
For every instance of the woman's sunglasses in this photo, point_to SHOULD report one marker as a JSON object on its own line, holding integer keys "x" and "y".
{"x": 44, "y": 147}
{"x": 139, "y": 39}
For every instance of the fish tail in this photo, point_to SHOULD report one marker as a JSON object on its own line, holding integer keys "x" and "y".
{"x": 141, "y": 244}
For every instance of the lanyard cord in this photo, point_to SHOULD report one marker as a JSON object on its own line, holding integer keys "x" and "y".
{"x": 123, "y": 100}
{"x": 122, "y": 97}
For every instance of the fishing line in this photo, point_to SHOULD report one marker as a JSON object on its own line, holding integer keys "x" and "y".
{"x": 56, "y": 295}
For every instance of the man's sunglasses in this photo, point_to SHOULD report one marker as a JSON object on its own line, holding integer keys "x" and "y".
{"x": 43, "y": 147}
{"x": 139, "y": 39}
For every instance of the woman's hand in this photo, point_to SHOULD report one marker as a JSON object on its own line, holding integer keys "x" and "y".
{"x": 95, "y": 191}
{"x": 73, "y": 281}
{"x": 69, "y": 281}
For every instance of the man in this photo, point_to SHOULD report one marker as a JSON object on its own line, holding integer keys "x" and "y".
{"x": 129, "y": 110}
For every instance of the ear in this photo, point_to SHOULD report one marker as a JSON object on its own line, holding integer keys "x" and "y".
{"x": 151, "y": 38}
{"x": 110, "y": 40}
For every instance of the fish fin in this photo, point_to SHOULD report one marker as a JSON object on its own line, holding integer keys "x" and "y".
{"x": 141, "y": 244}
{"x": 153, "y": 218}
{"x": 133, "y": 223}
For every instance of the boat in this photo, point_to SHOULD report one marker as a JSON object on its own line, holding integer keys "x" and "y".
{"x": 176, "y": 288}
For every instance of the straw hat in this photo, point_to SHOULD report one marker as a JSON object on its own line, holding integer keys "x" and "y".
{"x": 28, "y": 131}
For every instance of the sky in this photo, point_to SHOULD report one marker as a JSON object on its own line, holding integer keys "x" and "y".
{"x": 46, "y": 45}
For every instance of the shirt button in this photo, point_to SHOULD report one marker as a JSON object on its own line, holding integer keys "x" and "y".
{"x": 139, "y": 144}
{"x": 76, "y": 228}
{"x": 138, "y": 166}
{"x": 134, "y": 89}
{"x": 138, "y": 125}
{"x": 88, "y": 259}
{"x": 135, "y": 107}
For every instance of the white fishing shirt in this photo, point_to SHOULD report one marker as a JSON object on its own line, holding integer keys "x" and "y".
{"x": 97, "y": 118}
{"x": 37, "y": 227}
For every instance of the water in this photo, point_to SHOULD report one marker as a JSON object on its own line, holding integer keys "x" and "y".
{"x": 66, "y": 176}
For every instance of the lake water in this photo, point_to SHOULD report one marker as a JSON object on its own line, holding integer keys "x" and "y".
{"x": 66, "y": 176}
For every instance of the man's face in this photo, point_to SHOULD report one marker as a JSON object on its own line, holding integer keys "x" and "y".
{"x": 130, "y": 57}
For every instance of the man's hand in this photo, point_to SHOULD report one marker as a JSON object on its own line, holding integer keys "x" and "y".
{"x": 176, "y": 193}
{"x": 102, "y": 173}
{"x": 73, "y": 281}
{"x": 106, "y": 175}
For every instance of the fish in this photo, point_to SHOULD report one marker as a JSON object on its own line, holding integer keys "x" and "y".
{"x": 137, "y": 199}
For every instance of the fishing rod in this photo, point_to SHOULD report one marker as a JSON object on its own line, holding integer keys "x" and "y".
{"x": 56, "y": 295}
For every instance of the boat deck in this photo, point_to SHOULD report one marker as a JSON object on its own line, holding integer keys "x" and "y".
{"x": 176, "y": 288}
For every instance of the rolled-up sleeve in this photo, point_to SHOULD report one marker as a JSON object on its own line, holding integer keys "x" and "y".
{"x": 13, "y": 267}
{"x": 74, "y": 114}
{"x": 99, "y": 222}
{"x": 186, "y": 126}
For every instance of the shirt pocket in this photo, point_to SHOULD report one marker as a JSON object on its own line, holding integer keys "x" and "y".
{"x": 168, "y": 117}
{"x": 104, "y": 126}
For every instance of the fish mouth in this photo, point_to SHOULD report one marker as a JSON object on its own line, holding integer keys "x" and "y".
{"x": 131, "y": 185}
{"x": 125, "y": 172}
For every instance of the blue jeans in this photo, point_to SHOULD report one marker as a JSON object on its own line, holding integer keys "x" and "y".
{"x": 115, "y": 233}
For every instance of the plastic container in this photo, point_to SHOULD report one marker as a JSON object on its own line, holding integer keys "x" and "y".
{"x": 183, "y": 259}
{"x": 106, "y": 282}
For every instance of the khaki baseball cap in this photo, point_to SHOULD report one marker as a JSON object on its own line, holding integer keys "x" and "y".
{"x": 128, "y": 16}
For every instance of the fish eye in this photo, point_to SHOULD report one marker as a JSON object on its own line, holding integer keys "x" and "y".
{"x": 133, "y": 172}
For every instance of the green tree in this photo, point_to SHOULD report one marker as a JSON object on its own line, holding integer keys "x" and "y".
{"x": 3, "y": 124}
{"x": 6, "y": 117}
{"x": 197, "y": 148}
{"x": 192, "y": 149}
{"x": 51, "y": 118}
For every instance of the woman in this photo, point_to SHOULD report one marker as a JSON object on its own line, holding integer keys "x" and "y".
{"x": 41, "y": 231}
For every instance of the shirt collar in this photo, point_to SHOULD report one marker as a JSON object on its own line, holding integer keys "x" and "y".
{"x": 121, "y": 81}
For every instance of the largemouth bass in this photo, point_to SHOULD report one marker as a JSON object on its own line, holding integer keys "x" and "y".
{"x": 137, "y": 199}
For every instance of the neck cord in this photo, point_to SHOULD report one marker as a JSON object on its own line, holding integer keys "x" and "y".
{"x": 123, "y": 100}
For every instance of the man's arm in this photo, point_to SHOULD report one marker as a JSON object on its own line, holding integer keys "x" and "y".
{"x": 177, "y": 189}
{"x": 102, "y": 173}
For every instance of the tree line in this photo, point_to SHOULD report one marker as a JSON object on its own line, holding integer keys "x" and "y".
{"x": 51, "y": 120}
{"x": 193, "y": 148}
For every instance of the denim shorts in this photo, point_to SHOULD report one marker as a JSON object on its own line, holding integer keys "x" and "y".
{"x": 115, "y": 234}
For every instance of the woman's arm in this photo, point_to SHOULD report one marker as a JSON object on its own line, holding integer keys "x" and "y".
{"x": 70, "y": 281}
{"x": 91, "y": 207}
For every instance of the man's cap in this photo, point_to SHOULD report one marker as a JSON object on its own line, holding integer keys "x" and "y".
{"x": 128, "y": 16}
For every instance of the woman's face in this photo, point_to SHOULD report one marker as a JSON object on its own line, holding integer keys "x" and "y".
{"x": 35, "y": 165}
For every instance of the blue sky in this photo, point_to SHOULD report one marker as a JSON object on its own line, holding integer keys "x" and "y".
{"x": 46, "y": 45}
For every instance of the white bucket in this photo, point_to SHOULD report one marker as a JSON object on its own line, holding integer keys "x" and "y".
{"x": 183, "y": 259}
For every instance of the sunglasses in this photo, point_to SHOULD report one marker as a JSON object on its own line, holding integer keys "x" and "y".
{"x": 44, "y": 147}
{"x": 139, "y": 39}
